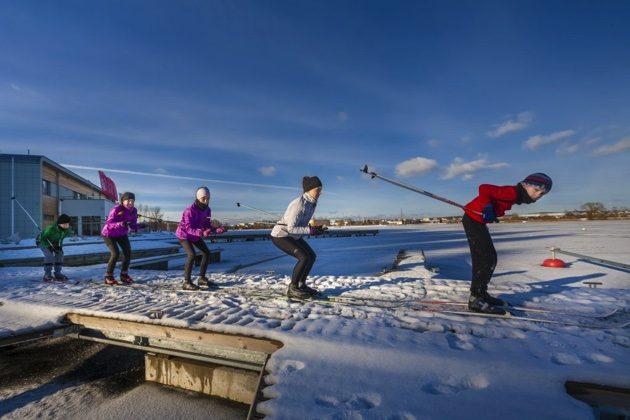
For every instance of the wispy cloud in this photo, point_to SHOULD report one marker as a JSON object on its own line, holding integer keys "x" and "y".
{"x": 218, "y": 181}
{"x": 521, "y": 122}
{"x": 467, "y": 169}
{"x": 416, "y": 166}
{"x": 267, "y": 170}
{"x": 567, "y": 149}
{"x": 539, "y": 140}
{"x": 621, "y": 146}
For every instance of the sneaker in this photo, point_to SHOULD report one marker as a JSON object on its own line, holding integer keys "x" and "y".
{"x": 204, "y": 281}
{"x": 60, "y": 277}
{"x": 188, "y": 285}
{"x": 47, "y": 278}
{"x": 125, "y": 279}
{"x": 110, "y": 280}
{"x": 297, "y": 293}
{"x": 309, "y": 290}
{"x": 479, "y": 304}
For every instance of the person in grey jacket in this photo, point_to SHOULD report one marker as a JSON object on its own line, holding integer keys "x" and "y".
{"x": 288, "y": 234}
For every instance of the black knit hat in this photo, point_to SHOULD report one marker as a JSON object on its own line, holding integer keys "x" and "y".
{"x": 310, "y": 182}
{"x": 63, "y": 218}
{"x": 127, "y": 196}
{"x": 539, "y": 179}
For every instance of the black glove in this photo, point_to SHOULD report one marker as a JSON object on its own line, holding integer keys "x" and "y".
{"x": 317, "y": 230}
{"x": 489, "y": 216}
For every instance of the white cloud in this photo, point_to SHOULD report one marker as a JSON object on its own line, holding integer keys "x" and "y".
{"x": 567, "y": 149}
{"x": 621, "y": 146}
{"x": 521, "y": 122}
{"x": 539, "y": 140}
{"x": 267, "y": 170}
{"x": 161, "y": 171}
{"x": 415, "y": 166}
{"x": 467, "y": 169}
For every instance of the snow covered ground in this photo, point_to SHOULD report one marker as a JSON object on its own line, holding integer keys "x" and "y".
{"x": 392, "y": 357}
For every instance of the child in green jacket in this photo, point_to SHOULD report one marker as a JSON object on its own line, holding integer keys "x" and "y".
{"x": 51, "y": 243}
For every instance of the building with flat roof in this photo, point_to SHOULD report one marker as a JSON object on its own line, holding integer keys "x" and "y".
{"x": 36, "y": 190}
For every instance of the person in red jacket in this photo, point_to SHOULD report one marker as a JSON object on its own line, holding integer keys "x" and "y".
{"x": 492, "y": 202}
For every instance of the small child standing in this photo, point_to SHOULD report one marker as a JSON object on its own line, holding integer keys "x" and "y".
{"x": 122, "y": 218}
{"x": 51, "y": 243}
{"x": 194, "y": 226}
{"x": 492, "y": 202}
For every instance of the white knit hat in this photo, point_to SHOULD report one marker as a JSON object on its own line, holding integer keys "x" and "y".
{"x": 203, "y": 192}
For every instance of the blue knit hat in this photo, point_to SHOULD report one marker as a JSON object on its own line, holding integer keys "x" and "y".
{"x": 539, "y": 179}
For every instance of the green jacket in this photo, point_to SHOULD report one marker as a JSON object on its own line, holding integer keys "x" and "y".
{"x": 54, "y": 235}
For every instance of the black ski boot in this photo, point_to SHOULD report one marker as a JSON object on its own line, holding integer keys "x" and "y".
{"x": 189, "y": 285}
{"x": 297, "y": 293}
{"x": 204, "y": 281}
{"x": 480, "y": 304}
{"x": 315, "y": 293}
{"x": 491, "y": 299}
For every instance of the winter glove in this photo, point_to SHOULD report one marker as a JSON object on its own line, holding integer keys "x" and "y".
{"x": 316, "y": 230}
{"x": 206, "y": 232}
{"x": 489, "y": 216}
{"x": 220, "y": 230}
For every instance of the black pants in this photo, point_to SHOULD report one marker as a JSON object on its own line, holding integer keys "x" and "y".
{"x": 297, "y": 248}
{"x": 189, "y": 247}
{"x": 125, "y": 247}
{"x": 482, "y": 253}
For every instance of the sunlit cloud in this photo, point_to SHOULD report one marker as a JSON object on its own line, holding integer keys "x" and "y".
{"x": 521, "y": 122}
{"x": 416, "y": 166}
{"x": 621, "y": 146}
{"x": 467, "y": 169}
{"x": 267, "y": 170}
{"x": 567, "y": 149}
{"x": 540, "y": 140}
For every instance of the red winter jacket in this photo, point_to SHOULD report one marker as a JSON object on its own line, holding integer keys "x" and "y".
{"x": 502, "y": 199}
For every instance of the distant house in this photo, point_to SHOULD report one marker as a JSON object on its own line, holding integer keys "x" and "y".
{"x": 46, "y": 189}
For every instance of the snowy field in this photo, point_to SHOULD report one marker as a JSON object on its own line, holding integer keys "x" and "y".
{"x": 383, "y": 352}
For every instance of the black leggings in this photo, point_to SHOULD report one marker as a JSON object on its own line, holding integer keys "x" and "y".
{"x": 125, "y": 246}
{"x": 190, "y": 260}
{"x": 482, "y": 252}
{"x": 297, "y": 248}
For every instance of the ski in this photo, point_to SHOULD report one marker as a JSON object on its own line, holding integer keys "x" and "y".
{"x": 509, "y": 307}
{"x": 448, "y": 309}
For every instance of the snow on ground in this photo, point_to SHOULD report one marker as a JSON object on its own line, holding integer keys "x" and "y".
{"x": 391, "y": 357}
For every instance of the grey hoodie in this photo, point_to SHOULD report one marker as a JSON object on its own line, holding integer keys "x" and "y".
{"x": 295, "y": 220}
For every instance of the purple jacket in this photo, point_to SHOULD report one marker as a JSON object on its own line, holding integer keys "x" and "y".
{"x": 194, "y": 222}
{"x": 115, "y": 224}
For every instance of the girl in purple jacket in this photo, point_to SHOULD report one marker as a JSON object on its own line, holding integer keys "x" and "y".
{"x": 194, "y": 226}
{"x": 122, "y": 217}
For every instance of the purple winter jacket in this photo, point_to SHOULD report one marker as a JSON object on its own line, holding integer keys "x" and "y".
{"x": 194, "y": 222}
{"x": 115, "y": 224}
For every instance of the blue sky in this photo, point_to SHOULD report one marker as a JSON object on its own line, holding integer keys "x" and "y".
{"x": 248, "y": 96}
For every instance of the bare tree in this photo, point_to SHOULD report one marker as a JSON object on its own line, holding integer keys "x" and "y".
{"x": 155, "y": 214}
{"x": 594, "y": 210}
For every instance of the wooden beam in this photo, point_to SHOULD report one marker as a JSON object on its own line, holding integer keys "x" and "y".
{"x": 234, "y": 341}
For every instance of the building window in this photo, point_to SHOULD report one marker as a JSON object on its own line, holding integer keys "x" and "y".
{"x": 91, "y": 225}
{"x": 46, "y": 188}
